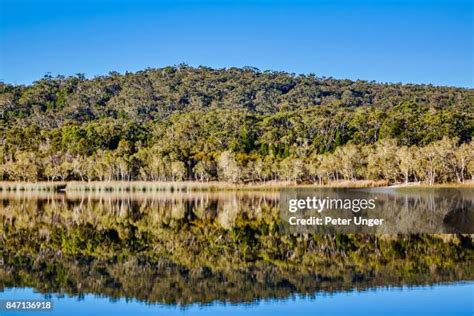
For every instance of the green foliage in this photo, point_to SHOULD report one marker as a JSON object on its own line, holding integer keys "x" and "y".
{"x": 178, "y": 123}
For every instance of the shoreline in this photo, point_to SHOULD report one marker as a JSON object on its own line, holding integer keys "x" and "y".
{"x": 145, "y": 186}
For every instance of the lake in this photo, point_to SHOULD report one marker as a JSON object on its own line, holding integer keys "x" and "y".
{"x": 225, "y": 252}
{"x": 445, "y": 299}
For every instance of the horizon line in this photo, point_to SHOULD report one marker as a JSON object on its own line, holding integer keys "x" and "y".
{"x": 247, "y": 67}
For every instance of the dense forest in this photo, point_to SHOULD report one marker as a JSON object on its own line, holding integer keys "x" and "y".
{"x": 236, "y": 125}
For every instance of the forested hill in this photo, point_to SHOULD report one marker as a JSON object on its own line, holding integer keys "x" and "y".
{"x": 156, "y": 93}
{"x": 140, "y": 124}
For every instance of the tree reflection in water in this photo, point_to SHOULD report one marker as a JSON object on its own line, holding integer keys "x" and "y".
{"x": 183, "y": 248}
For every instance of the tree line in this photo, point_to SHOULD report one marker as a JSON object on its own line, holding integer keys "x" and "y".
{"x": 237, "y": 125}
{"x": 438, "y": 162}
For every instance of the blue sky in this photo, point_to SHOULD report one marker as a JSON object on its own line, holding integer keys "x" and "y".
{"x": 417, "y": 41}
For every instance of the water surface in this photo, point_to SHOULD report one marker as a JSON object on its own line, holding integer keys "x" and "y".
{"x": 224, "y": 252}
{"x": 445, "y": 299}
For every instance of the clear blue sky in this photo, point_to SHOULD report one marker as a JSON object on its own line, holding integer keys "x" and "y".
{"x": 419, "y": 41}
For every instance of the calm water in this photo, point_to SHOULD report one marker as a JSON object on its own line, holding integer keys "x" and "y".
{"x": 213, "y": 253}
{"x": 450, "y": 299}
